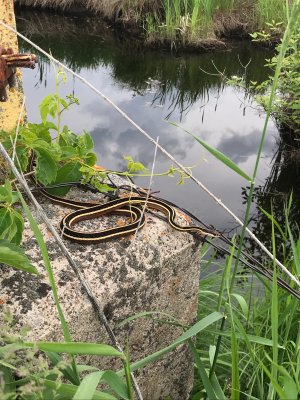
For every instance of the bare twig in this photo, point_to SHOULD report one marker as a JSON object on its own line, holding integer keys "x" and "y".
{"x": 17, "y": 130}
{"x": 162, "y": 149}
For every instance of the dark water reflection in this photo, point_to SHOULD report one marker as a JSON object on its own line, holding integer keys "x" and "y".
{"x": 152, "y": 87}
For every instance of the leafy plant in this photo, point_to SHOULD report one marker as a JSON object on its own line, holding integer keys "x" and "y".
{"x": 286, "y": 109}
{"x": 11, "y": 220}
{"x": 286, "y": 104}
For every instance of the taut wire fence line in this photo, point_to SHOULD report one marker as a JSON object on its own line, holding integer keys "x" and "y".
{"x": 162, "y": 149}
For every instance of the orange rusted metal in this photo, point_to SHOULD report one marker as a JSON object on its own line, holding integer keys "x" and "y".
{"x": 8, "y": 64}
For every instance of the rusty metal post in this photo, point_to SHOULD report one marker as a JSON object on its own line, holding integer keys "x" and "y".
{"x": 8, "y": 64}
{"x": 10, "y": 110}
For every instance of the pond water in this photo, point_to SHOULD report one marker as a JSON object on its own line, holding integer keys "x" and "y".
{"x": 154, "y": 87}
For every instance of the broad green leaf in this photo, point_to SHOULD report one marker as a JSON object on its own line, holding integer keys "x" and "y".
{"x": 70, "y": 172}
{"x": 46, "y": 167}
{"x": 64, "y": 103}
{"x": 10, "y": 232}
{"x": 77, "y": 348}
{"x": 47, "y": 106}
{"x": 8, "y": 188}
{"x": 22, "y": 157}
{"x": 6, "y": 193}
{"x": 5, "y": 221}
{"x": 133, "y": 166}
{"x": 88, "y": 141}
{"x": 19, "y": 223}
{"x": 68, "y": 152}
{"x": 290, "y": 389}
{"x": 42, "y": 131}
{"x": 4, "y": 196}
{"x": 14, "y": 256}
{"x": 68, "y": 138}
{"x": 11, "y": 225}
{"x": 218, "y": 155}
{"x": 90, "y": 159}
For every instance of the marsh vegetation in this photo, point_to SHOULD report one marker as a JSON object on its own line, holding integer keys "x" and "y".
{"x": 181, "y": 23}
{"x": 254, "y": 353}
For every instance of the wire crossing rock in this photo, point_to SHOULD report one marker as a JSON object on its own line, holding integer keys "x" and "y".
{"x": 158, "y": 272}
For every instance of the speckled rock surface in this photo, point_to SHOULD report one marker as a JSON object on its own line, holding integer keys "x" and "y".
{"x": 158, "y": 272}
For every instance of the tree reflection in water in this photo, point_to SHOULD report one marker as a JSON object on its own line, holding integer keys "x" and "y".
{"x": 274, "y": 195}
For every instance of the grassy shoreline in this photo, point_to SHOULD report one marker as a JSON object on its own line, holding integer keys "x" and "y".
{"x": 189, "y": 24}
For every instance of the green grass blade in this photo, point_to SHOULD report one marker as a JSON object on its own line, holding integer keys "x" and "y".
{"x": 84, "y": 368}
{"x": 235, "y": 381}
{"x": 223, "y": 158}
{"x": 274, "y": 382}
{"x": 290, "y": 389}
{"x": 235, "y": 392}
{"x": 274, "y": 317}
{"x": 251, "y": 350}
{"x": 116, "y": 384}
{"x": 198, "y": 327}
{"x": 67, "y": 371}
{"x": 272, "y": 219}
{"x": 202, "y": 372}
{"x": 43, "y": 248}
{"x": 147, "y": 314}
{"x": 217, "y": 387}
{"x": 252, "y": 338}
{"x": 7, "y": 365}
{"x": 88, "y": 386}
{"x": 76, "y": 348}
{"x": 45, "y": 255}
{"x": 218, "y": 155}
{"x": 294, "y": 249}
{"x": 243, "y": 304}
{"x": 10, "y": 348}
{"x": 8, "y": 381}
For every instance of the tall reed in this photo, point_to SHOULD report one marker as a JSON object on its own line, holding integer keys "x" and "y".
{"x": 271, "y": 10}
{"x": 183, "y": 20}
{"x": 263, "y": 320}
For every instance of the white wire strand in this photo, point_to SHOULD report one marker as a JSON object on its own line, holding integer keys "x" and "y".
{"x": 162, "y": 149}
